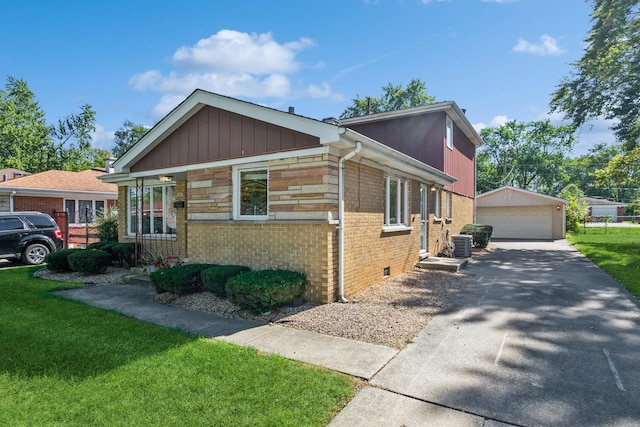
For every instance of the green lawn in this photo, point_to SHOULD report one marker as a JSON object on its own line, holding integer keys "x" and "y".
{"x": 64, "y": 363}
{"x": 615, "y": 249}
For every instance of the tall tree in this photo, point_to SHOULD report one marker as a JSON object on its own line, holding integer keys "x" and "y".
{"x": 581, "y": 170}
{"x": 622, "y": 175}
{"x": 126, "y": 136}
{"x": 526, "y": 155}
{"x": 23, "y": 129}
{"x": 606, "y": 80}
{"x": 394, "y": 97}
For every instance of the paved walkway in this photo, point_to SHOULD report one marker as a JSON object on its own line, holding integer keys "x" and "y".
{"x": 539, "y": 337}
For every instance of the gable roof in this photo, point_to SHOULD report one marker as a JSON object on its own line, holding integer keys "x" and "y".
{"x": 449, "y": 107}
{"x": 11, "y": 173}
{"x": 512, "y": 196}
{"x": 57, "y": 183}
{"x": 594, "y": 201}
{"x": 329, "y": 134}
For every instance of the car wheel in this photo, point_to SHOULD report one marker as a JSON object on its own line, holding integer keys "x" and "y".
{"x": 34, "y": 254}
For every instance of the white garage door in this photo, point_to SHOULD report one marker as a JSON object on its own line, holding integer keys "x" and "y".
{"x": 518, "y": 222}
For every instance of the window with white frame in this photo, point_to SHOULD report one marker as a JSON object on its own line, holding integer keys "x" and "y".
{"x": 447, "y": 208}
{"x": 436, "y": 203}
{"x": 449, "y": 133}
{"x": 396, "y": 202}
{"x": 151, "y": 210}
{"x": 83, "y": 211}
{"x": 251, "y": 193}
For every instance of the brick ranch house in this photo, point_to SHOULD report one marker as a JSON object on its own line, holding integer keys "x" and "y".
{"x": 230, "y": 182}
{"x": 67, "y": 196}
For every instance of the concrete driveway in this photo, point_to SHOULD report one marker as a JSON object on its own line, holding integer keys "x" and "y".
{"x": 540, "y": 337}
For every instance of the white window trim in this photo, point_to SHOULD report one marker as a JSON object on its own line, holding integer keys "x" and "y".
{"x": 131, "y": 231}
{"x": 401, "y": 202}
{"x": 448, "y": 129}
{"x": 236, "y": 192}
{"x": 72, "y": 221}
{"x": 436, "y": 206}
{"x": 448, "y": 206}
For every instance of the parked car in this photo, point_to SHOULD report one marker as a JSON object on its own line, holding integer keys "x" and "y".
{"x": 28, "y": 236}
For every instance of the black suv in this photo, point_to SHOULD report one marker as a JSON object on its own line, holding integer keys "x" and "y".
{"x": 28, "y": 236}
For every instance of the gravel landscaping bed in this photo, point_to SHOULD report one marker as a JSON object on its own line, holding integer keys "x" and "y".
{"x": 390, "y": 313}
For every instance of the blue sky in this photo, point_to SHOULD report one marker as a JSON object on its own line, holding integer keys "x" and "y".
{"x": 499, "y": 59}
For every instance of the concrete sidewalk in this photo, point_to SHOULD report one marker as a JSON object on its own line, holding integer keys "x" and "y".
{"x": 354, "y": 358}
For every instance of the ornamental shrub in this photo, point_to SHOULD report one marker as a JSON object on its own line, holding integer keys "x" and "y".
{"x": 260, "y": 291}
{"x": 180, "y": 280}
{"x": 89, "y": 262}
{"x": 107, "y": 224}
{"x": 481, "y": 234}
{"x": 100, "y": 245}
{"x": 124, "y": 254}
{"x": 57, "y": 261}
{"x": 215, "y": 278}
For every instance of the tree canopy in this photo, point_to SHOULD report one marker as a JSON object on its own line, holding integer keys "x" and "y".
{"x": 524, "y": 155}
{"x": 394, "y": 97}
{"x": 28, "y": 143}
{"x": 606, "y": 80}
{"x": 126, "y": 136}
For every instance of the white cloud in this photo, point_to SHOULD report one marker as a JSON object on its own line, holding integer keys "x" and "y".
{"x": 430, "y": 1}
{"x": 497, "y": 121}
{"x": 324, "y": 91}
{"x": 102, "y": 138}
{"x": 231, "y": 63}
{"x": 547, "y": 46}
{"x": 498, "y": 1}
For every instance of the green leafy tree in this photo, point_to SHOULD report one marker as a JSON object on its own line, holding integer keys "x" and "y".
{"x": 394, "y": 97}
{"x": 127, "y": 136}
{"x": 581, "y": 170}
{"x": 622, "y": 175}
{"x": 525, "y": 155}
{"x": 606, "y": 80}
{"x": 575, "y": 210}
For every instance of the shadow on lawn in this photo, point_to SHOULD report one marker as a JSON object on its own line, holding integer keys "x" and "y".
{"x": 44, "y": 335}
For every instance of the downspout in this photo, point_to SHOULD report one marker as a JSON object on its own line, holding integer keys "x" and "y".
{"x": 349, "y": 155}
{"x": 13, "y": 193}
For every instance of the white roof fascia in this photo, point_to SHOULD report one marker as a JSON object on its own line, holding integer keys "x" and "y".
{"x": 198, "y": 99}
{"x": 520, "y": 190}
{"x": 449, "y": 107}
{"x": 387, "y": 156}
{"x": 68, "y": 194}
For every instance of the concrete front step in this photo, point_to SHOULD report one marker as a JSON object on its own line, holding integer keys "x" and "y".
{"x": 444, "y": 264}
{"x": 137, "y": 279}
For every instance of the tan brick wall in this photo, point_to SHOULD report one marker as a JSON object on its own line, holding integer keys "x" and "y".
{"x": 307, "y": 248}
{"x": 369, "y": 250}
{"x": 461, "y": 214}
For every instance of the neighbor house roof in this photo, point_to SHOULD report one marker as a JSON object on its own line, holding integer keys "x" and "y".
{"x": 594, "y": 201}
{"x": 11, "y": 173}
{"x": 512, "y": 196}
{"x": 57, "y": 183}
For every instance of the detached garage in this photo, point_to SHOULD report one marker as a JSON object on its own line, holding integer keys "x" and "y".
{"x": 521, "y": 214}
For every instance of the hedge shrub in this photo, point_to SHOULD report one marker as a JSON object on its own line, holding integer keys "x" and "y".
{"x": 215, "y": 278}
{"x": 180, "y": 280}
{"x": 260, "y": 291}
{"x": 124, "y": 254}
{"x": 89, "y": 262}
{"x": 57, "y": 261}
{"x": 481, "y": 234}
{"x": 101, "y": 244}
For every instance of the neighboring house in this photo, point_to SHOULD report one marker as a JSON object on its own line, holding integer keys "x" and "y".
{"x": 230, "y": 182}
{"x": 73, "y": 197}
{"x": 520, "y": 214}
{"x": 11, "y": 173}
{"x": 599, "y": 208}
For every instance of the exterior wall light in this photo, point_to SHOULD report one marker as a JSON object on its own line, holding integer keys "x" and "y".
{"x": 165, "y": 178}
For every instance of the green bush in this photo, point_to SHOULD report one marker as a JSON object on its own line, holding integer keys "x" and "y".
{"x": 481, "y": 234}
{"x": 215, "y": 278}
{"x": 89, "y": 262}
{"x": 57, "y": 261}
{"x": 100, "y": 245}
{"x": 125, "y": 254}
{"x": 107, "y": 224}
{"x": 260, "y": 291}
{"x": 109, "y": 247}
{"x": 180, "y": 280}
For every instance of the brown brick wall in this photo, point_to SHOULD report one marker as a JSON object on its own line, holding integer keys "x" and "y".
{"x": 308, "y": 248}
{"x": 41, "y": 204}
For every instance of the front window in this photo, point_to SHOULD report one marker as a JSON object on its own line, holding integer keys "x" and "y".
{"x": 151, "y": 210}
{"x": 83, "y": 211}
{"x": 436, "y": 204}
{"x": 449, "y": 133}
{"x": 448, "y": 213}
{"x": 396, "y": 202}
{"x": 251, "y": 193}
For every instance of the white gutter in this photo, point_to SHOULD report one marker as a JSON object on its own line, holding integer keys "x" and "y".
{"x": 349, "y": 155}
{"x": 13, "y": 193}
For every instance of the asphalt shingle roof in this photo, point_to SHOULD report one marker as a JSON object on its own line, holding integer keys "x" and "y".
{"x": 63, "y": 180}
